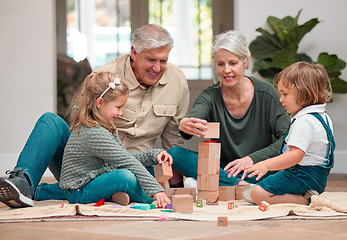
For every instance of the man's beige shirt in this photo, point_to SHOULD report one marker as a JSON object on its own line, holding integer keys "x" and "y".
{"x": 153, "y": 112}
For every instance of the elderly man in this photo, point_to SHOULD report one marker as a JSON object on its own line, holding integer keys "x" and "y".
{"x": 158, "y": 98}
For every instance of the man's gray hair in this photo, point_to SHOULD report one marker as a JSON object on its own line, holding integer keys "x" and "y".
{"x": 150, "y": 36}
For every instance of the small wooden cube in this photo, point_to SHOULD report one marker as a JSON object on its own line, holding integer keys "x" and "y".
{"x": 199, "y": 203}
{"x": 209, "y": 182}
{"x": 180, "y": 191}
{"x": 222, "y": 221}
{"x": 212, "y": 130}
{"x": 163, "y": 172}
{"x": 208, "y": 166}
{"x": 231, "y": 205}
{"x": 263, "y": 206}
{"x": 239, "y": 190}
{"x": 182, "y": 203}
{"x": 209, "y": 150}
{"x": 226, "y": 193}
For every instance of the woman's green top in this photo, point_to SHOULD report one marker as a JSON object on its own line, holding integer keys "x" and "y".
{"x": 257, "y": 134}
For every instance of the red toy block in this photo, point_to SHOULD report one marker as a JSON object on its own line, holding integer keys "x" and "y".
{"x": 100, "y": 203}
{"x": 263, "y": 206}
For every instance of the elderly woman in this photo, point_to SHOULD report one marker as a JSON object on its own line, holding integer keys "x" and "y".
{"x": 252, "y": 120}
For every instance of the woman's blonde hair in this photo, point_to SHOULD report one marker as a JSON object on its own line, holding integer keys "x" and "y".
{"x": 310, "y": 82}
{"x": 83, "y": 107}
{"x": 232, "y": 41}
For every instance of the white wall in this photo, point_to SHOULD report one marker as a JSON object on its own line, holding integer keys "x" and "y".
{"x": 330, "y": 35}
{"x": 28, "y": 75}
{"x": 28, "y": 62}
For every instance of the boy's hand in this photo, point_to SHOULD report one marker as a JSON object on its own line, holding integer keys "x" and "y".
{"x": 161, "y": 198}
{"x": 163, "y": 156}
{"x": 259, "y": 169}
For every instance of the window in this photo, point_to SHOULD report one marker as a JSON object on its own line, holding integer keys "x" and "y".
{"x": 190, "y": 24}
{"x": 100, "y": 30}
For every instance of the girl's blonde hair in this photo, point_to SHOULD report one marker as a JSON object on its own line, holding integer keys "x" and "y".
{"x": 310, "y": 82}
{"x": 83, "y": 107}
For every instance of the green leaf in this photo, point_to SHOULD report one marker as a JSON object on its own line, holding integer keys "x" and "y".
{"x": 327, "y": 60}
{"x": 296, "y": 34}
{"x": 261, "y": 48}
{"x": 302, "y": 57}
{"x": 285, "y": 57}
{"x": 339, "y": 86}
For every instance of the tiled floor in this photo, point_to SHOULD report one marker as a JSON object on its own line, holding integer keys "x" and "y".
{"x": 262, "y": 229}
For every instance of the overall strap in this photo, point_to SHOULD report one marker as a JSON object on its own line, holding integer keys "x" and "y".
{"x": 331, "y": 149}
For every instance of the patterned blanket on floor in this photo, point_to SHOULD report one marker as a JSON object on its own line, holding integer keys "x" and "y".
{"x": 330, "y": 205}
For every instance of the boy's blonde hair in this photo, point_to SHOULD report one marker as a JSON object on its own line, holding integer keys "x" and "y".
{"x": 310, "y": 82}
{"x": 83, "y": 107}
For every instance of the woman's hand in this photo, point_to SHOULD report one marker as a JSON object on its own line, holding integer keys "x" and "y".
{"x": 235, "y": 167}
{"x": 193, "y": 126}
{"x": 163, "y": 156}
{"x": 259, "y": 169}
{"x": 162, "y": 199}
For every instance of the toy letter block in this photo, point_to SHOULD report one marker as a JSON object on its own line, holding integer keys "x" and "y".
{"x": 263, "y": 206}
{"x": 182, "y": 203}
{"x": 209, "y": 182}
{"x": 239, "y": 190}
{"x": 163, "y": 172}
{"x": 208, "y": 166}
{"x": 226, "y": 193}
{"x": 231, "y": 205}
{"x": 212, "y": 198}
{"x": 209, "y": 150}
{"x": 222, "y": 221}
{"x": 199, "y": 203}
{"x": 212, "y": 130}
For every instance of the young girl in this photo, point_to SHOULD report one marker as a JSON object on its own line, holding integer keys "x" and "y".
{"x": 95, "y": 164}
{"x": 307, "y": 152}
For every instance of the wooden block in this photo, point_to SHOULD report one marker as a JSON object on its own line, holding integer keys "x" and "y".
{"x": 212, "y": 130}
{"x": 182, "y": 203}
{"x": 181, "y": 191}
{"x": 209, "y": 150}
{"x": 201, "y": 195}
{"x": 231, "y": 205}
{"x": 212, "y": 198}
{"x": 226, "y": 193}
{"x": 263, "y": 206}
{"x": 208, "y": 166}
{"x": 163, "y": 172}
{"x": 239, "y": 190}
{"x": 222, "y": 221}
{"x": 209, "y": 182}
{"x": 199, "y": 203}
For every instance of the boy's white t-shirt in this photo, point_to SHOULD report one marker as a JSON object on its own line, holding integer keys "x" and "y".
{"x": 308, "y": 134}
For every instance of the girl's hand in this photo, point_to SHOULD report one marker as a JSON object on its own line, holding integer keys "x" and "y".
{"x": 235, "y": 167}
{"x": 163, "y": 156}
{"x": 193, "y": 126}
{"x": 161, "y": 198}
{"x": 259, "y": 169}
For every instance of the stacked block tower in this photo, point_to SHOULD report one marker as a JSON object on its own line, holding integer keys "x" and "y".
{"x": 208, "y": 167}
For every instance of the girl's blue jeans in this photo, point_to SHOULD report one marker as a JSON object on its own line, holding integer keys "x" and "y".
{"x": 45, "y": 147}
{"x": 185, "y": 162}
